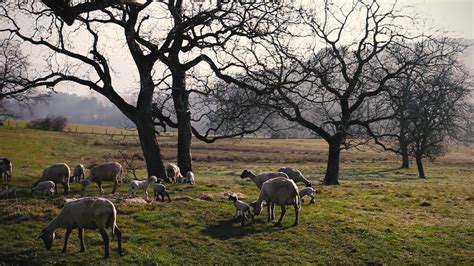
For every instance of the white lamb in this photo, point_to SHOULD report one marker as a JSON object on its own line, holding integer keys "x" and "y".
{"x": 241, "y": 208}
{"x": 135, "y": 185}
{"x": 190, "y": 178}
{"x": 84, "y": 213}
{"x": 307, "y": 191}
{"x": 42, "y": 187}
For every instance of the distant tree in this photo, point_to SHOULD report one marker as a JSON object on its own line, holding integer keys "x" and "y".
{"x": 51, "y": 123}
{"x": 430, "y": 105}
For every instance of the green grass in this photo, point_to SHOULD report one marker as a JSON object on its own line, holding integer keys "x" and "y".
{"x": 374, "y": 216}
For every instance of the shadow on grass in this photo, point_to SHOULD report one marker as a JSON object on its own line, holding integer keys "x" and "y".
{"x": 227, "y": 229}
{"x": 377, "y": 175}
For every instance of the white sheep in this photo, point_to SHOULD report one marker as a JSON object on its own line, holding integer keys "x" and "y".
{"x": 58, "y": 173}
{"x": 84, "y": 213}
{"x": 104, "y": 172}
{"x": 190, "y": 178}
{"x": 173, "y": 173}
{"x": 307, "y": 191}
{"x": 281, "y": 191}
{"x": 160, "y": 190}
{"x": 295, "y": 175}
{"x": 241, "y": 209}
{"x": 262, "y": 177}
{"x": 78, "y": 173}
{"x": 135, "y": 185}
{"x": 42, "y": 187}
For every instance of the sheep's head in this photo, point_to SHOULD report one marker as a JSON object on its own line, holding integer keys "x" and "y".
{"x": 232, "y": 197}
{"x": 47, "y": 237}
{"x": 257, "y": 208}
{"x": 309, "y": 185}
{"x": 85, "y": 184}
{"x": 245, "y": 174}
{"x": 153, "y": 179}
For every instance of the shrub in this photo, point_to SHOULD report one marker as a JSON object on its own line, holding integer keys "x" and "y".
{"x": 51, "y": 123}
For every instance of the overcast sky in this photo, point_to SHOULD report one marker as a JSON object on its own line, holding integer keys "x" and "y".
{"x": 454, "y": 16}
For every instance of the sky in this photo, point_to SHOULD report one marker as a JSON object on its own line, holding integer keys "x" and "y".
{"x": 454, "y": 16}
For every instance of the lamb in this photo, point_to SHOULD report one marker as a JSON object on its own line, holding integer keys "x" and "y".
{"x": 42, "y": 187}
{"x": 190, "y": 178}
{"x": 282, "y": 191}
{"x": 104, "y": 172}
{"x": 135, "y": 185}
{"x": 58, "y": 173}
{"x": 307, "y": 191}
{"x": 84, "y": 213}
{"x": 241, "y": 208}
{"x": 78, "y": 173}
{"x": 173, "y": 173}
{"x": 160, "y": 190}
{"x": 295, "y": 175}
{"x": 6, "y": 169}
{"x": 262, "y": 177}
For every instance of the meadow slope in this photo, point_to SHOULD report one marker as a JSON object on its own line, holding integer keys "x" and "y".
{"x": 379, "y": 213}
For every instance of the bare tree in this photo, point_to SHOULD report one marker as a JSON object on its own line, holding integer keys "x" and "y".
{"x": 188, "y": 30}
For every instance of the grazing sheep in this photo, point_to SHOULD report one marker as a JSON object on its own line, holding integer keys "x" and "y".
{"x": 135, "y": 185}
{"x": 241, "y": 208}
{"x": 104, "y": 172}
{"x": 6, "y": 169}
{"x": 295, "y": 175}
{"x": 160, "y": 190}
{"x": 262, "y": 177}
{"x": 58, "y": 173}
{"x": 307, "y": 191}
{"x": 84, "y": 213}
{"x": 173, "y": 173}
{"x": 42, "y": 187}
{"x": 282, "y": 191}
{"x": 78, "y": 173}
{"x": 190, "y": 178}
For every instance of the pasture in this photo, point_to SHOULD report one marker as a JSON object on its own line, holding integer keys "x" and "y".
{"x": 379, "y": 213}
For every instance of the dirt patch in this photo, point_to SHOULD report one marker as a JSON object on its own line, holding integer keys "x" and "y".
{"x": 220, "y": 195}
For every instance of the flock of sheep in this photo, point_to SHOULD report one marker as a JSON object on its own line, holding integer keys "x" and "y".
{"x": 100, "y": 213}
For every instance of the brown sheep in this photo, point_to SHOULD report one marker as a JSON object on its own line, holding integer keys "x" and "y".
{"x": 58, "y": 173}
{"x": 104, "y": 172}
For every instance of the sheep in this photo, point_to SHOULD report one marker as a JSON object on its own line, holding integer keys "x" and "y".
{"x": 58, "y": 173}
{"x": 295, "y": 175}
{"x": 282, "y": 191}
{"x": 78, "y": 173}
{"x": 307, "y": 191}
{"x": 241, "y": 208}
{"x": 173, "y": 173}
{"x": 262, "y": 177}
{"x": 143, "y": 185}
{"x": 160, "y": 190}
{"x": 190, "y": 178}
{"x": 85, "y": 213}
{"x": 42, "y": 187}
{"x": 104, "y": 172}
{"x": 6, "y": 169}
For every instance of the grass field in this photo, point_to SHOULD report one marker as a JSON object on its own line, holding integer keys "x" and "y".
{"x": 379, "y": 214}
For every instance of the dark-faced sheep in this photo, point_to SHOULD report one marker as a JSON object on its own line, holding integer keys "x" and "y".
{"x": 6, "y": 168}
{"x": 78, "y": 173}
{"x": 58, "y": 173}
{"x": 80, "y": 214}
{"x": 104, "y": 172}
{"x": 281, "y": 191}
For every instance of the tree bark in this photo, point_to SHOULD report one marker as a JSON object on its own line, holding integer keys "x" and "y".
{"x": 183, "y": 117}
{"x": 419, "y": 165}
{"x": 332, "y": 170}
{"x": 405, "y": 157}
{"x": 150, "y": 147}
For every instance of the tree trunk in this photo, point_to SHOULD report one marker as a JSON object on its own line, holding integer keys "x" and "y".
{"x": 183, "y": 116}
{"x": 419, "y": 165}
{"x": 332, "y": 170}
{"x": 405, "y": 157}
{"x": 150, "y": 147}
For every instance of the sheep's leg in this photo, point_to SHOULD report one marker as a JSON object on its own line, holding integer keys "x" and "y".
{"x": 118, "y": 234}
{"x": 146, "y": 195}
{"x": 100, "y": 187}
{"x": 283, "y": 211}
{"x": 244, "y": 218}
{"x": 302, "y": 200}
{"x": 66, "y": 238}
{"x": 55, "y": 189}
{"x": 80, "y": 233}
{"x": 297, "y": 213}
{"x": 115, "y": 187}
{"x": 311, "y": 201}
{"x": 105, "y": 237}
{"x": 168, "y": 195}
